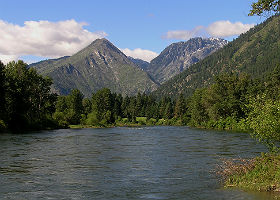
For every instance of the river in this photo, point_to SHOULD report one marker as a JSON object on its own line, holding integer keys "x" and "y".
{"x": 121, "y": 163}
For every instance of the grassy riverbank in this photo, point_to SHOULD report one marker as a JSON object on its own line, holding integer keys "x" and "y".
{"x": 259, "y": 174}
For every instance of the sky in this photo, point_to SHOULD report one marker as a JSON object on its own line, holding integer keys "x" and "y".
{"x": 34, "y": 30}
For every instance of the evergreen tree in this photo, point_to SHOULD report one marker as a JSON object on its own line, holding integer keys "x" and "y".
{"x": 168, "y": 113}
{"x": 196, "y": 109}
{"x": 102, "y": 102}
{"x": 87, "y": 106}
{"x": 75, "y": 104}
{"x": 2, "y": 91}
{"x": 180, "y": 107}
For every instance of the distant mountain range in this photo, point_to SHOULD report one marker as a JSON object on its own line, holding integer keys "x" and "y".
{"x": 180, "y": 68}
{"x": 99, "y": 65}
{"x": 140, "y": 63}
{"x": 177, "y": 57}
{"x": 255, "y": 52}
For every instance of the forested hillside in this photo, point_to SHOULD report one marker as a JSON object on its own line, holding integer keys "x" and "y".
{"x": 179, "y": 56}
{"x": 255, "y": 52}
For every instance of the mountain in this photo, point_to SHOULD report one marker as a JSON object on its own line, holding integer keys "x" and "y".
{"x": 140, "y": 63}
{"x": 99, "y": 65}
{"x": 179, "y": 56}
{"x": 255, "y": 52}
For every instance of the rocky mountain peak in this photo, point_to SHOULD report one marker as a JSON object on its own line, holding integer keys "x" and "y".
{"x": 98, "y": 65}
{"x": 179, "y": 56}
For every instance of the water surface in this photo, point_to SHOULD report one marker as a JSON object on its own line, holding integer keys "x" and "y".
{"x": 121, "y": 163}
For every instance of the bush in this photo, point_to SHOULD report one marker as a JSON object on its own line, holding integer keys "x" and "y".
{"x": 3, "y": 126}
{"x": 161, "y": 122}
{"x": 124, "y": 120}
{"x": 261, "y": 173}
{"x": 141, "y": 120}
{"x": 59, "y": 117}
{"x": 151, "y": 121}
{"x": 92, "y": 119}
{"x": 83, "y": 119}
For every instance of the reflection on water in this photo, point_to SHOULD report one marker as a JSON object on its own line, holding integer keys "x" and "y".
{"x": 121, "y": 163}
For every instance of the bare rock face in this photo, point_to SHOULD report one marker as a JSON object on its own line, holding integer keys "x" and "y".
{"x": 179, "y": 56}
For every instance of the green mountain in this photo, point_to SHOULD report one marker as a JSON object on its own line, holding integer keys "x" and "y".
{"x": 179, "y": 56}
{"x": 99, "y": 65}
{"x": 255, "y": 52}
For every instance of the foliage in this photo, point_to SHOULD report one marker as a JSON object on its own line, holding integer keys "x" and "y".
{"x": 26, "y": 100}
{"x": 265, "y": 6}
{"x": 255, "y": 52}
{"x": 239, "y": 103}
{"x": 69, "y": 109}
{"x": 2, "y": 91}
{"x": 264, "y": 119}
{"x": 261, "y": 173}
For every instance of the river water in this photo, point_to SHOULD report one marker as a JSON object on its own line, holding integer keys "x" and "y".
{"x": 121, "y": 163}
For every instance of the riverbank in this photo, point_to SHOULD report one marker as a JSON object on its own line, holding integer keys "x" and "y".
{"x": 259, "y": 174}
{"x": 107, "y": 125}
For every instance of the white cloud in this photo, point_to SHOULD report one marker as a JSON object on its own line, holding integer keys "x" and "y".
{"x": 143, "y": 54}
{"x": 7, "y": 58}
{"x": 216, "y": 29}
{"x": 44, "y": 38}
{"x": 183, "y": 34}
{"x": 227, "y": 28}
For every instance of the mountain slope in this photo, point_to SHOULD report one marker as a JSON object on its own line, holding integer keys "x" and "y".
{"x": 140, "y": 63}
{"x": 179, "y": 56}
{"x": 255, "y": 52}
{"x": 99, "y": 65}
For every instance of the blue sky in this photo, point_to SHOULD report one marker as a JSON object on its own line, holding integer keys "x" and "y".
{"x": 128, "y": 24}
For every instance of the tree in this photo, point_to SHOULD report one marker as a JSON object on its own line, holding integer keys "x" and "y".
{"x": 264, "y": 121}
{"x": 117, "y": 111}
{"x": 180, "y": 107}
{"x": 75, "y": 103}
{"x": 196, "y": 108}
{"x": 102, "y": 102}
{"x": 227, "y": 96}
{"x": 265, "y": 6}
{"x": 2, "y": 97}
{"x": 168, "y": 113}
{"x": 87, "y": 105}
{"x": 61, "y": 116}
{"x": 28, "y": 100}
{"x": 273, "y": 83}
{"x": 2, "y": 90}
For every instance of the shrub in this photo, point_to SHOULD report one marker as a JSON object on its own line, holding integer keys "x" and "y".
{"x": 3, "y": 126}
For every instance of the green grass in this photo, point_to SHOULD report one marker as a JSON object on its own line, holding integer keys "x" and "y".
{"x": 259, "y": 174}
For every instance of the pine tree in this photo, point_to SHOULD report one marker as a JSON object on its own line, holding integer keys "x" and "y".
{"x": 2, "y": 91}
{"x": 180, "y": 107}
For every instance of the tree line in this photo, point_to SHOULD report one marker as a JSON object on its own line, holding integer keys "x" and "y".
{"x": 25, "y": 98}
{"x": 240, "y": 103}
{"x": 233, "y": 102}
{"x": 27, "y": 103}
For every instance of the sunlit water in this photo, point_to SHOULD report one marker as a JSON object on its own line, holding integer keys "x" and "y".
{"x": 121, "y": 163}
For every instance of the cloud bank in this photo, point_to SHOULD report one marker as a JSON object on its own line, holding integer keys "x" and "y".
{"x": 143, "y": 54}
{"x": 216, "y": 29}
{"x": 44, "y": 38}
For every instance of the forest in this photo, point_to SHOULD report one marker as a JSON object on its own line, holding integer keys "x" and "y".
{"x": 233, "y": 102}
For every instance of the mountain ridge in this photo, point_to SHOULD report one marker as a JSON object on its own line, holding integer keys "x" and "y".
{"x": 99, "y": 65}
{"x": 255, "y": 52}
{"x": 179, "y": 56}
